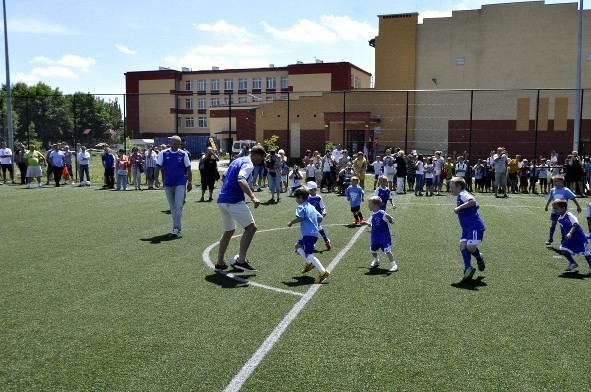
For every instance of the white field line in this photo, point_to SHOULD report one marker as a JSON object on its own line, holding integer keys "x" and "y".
{"x": 249, "y": 367}
{"x": 210, "y": 264}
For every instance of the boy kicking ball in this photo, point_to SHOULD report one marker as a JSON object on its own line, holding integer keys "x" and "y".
{"x": 308, "y": 218}
{"x": 471, "y": 224}
{"x": 574, "y": 239}
{"x": 380, "y": 233}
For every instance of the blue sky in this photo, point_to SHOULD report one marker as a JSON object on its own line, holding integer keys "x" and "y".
{"x": 82, "y": 45}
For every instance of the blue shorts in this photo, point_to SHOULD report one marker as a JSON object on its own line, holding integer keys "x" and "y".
{"x": 373, "y": 248}
{"x": 473, "y": 237}
{"x": 307, "y": 242}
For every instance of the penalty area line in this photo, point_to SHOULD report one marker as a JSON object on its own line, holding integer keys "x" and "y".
{"x": 249, "y": 367}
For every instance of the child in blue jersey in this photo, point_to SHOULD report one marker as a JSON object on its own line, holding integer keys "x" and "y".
{"x": 384, "y": 193}
{"x": 574, "y": 239}
{"x": 471, "y": 224}
{"x": 318, "y": 203}
{"x": 559, "y": 191}
{"x": 380, "y": 232}
{"x": 354, "y": 195}
{"x": 308, "y": 218}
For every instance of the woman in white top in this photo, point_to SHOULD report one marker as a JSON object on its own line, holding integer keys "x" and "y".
{"x": 419, "y": 176}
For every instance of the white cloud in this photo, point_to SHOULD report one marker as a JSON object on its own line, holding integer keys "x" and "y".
{"x": 223, "y": 28}
{"x": 25, "y": 78}
{"x": 68, "y": 60}
{"x": 304, "y": 31}
{"x": 60, "y": 72}
{"x": 125, "y": 50}
{"x": 347, "y": 28}
{"x": 35, "y": 26}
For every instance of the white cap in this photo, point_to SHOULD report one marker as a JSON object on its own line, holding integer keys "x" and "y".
{"x": 311, "y": 185}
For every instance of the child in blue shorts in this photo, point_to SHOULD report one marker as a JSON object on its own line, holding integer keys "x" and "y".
{"x": 574, "y": 239}
{"x": 471, "y": 224}
{"x": 354, "y": 195}
{"x": 559, "y": 191}
{"x": 384, "y": 192}
{"x": 308, "y": 218}
{"x": 380, "y": 233}
{"x": 316, "y": 200}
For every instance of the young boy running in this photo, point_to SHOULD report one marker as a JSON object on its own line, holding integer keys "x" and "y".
{"x": 574, "y": 239}
{"x": 318, "y": 203}
{"x": 471, "y": 224}
{"x": 308, "y": 218}
{"x": 384, "y": 193}
{"x": 380, "y": 232}
{"x": 354, "y": 195}
{"x": 559, "y": 191}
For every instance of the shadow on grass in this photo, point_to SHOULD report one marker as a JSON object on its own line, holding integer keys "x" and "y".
{"x": 224, "y": 281}
{"x": 471, "y": 284}
{"x": 167, "y": 212}
{"x": 159, "y": 238}
{"x": 352, "y": 226}
{"x": 268, "y": 203}
{"x": 574, "y": 275}
{"x": 375, "y": 271}
{"x": 303, "y": 280}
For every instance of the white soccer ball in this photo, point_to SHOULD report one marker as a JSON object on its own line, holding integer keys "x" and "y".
{"x": 88, "y": 183}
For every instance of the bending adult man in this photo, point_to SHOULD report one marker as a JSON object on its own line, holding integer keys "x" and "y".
{"x": 234, "y": 209}
{"x": 177, "y": 175}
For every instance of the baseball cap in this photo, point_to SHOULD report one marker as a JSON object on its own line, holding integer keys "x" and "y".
{"x": 311, "y": 185}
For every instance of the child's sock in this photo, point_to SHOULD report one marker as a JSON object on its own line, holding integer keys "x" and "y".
{"x": 313, "y": 260}
{"x": 323, "y": 234}
{"x": 466, "y": 256}
{"x": 476, "y": 254}
{"x": 360, "y": 216}
{"x": 588, "y": 258}
{"x": 569, "y": 257}
{"x": 301, "y": 252}
{"x": 552, "y": 230}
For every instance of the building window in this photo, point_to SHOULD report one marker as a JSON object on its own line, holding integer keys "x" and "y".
{"x": 188, "y": 103}
{"x": 256, "y": 83}
{"x": 188, "y": 85}
{"x": 202, "y": 103}
{"x": 460, "y": 61}
{"x": 271, "y": 83}
{"x": 270, "y": 98}
{"x": 202, "y": 122}
{"x": 201, "y": 85}
{"x": 284, "y": 82}
{"x": 228, "y": 84}
{"x": 215, "y": 85}
{"x": 242, "y": 100}
{"x": 215, "y": 102}
{"x": 227, "y": 100}
{"x": 242, "y": 84}
{"x": 189, "y": 122}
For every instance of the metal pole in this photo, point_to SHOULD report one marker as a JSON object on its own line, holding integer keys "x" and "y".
{"x": 230, "y": 123}
{"x": 469, "y": 157}
{"x": 288, "y": 153}
{"x": 536, "y": 129}
{"x": 344, "y": 117}
{"x": 8, "y": 88}
{"x": 406, "y": 125}
{"x": 75, "y": 139}
{"x": 27, "y": 117}
{"x": 577, "y": 125}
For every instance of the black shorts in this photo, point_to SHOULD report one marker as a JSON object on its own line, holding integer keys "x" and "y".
{"x": 355, "y": 209}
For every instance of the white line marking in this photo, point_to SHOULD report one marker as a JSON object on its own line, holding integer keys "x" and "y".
{"x": 249, "y": 367}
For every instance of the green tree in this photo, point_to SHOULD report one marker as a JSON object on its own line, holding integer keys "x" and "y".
{"x": 271, "y": 143}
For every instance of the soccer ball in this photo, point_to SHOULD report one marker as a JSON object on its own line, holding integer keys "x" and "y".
{"x": 88, "y": 183}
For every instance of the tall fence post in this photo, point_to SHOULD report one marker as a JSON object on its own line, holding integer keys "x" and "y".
{"x": 469, "y": 157}
{"x": 536, "y": 128}
{"x": 406, "y": 124}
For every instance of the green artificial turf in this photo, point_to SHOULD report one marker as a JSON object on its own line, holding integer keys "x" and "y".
{"x": 96, "y": 296}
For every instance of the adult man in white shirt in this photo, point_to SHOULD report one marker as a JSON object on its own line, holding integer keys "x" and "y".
{"x": 500, "y": 160}
{"x": 6, "y": 163}
{"x": 337, "y": 153}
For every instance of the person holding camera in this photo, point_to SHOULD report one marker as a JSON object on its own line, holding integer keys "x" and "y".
{"x": 273, "y": 165}
{"x": 209, "y": 172}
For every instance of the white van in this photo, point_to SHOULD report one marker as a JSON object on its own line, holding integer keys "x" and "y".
{"x": 238, "y": 144}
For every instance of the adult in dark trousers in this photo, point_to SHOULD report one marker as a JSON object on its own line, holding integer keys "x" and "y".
{"x": 109, "y": 165}
{"x": 58, "y": 161}
{"x": 400, "y": 163}
{"x": 208, "y": 168}
{"x": 19, "y": 158}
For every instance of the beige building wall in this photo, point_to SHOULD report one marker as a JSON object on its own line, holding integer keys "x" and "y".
{"x": 514, "y": 45}
{"x": 310, "y": 82}
{"x": 154, "y": 106}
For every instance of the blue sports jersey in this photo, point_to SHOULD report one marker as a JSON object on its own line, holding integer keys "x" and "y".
{"x": 355, "y": 194}
{"x": 380, "y": 232}
{"x": 311, "y": 217}
{"x": 577, "y": 244}
{"x": 561, "y": 193}
{"x": 385, "y": 194}
{"x": 239, "y": 169}
{"x": 317, "y": 202}
{"x": 174, "y": 164}
{"x": 469, "y": 218}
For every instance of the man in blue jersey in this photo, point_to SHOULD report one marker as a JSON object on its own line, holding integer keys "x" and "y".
{"x": 234, "y": 209}
{"x": 471, "y": 224}
{"x": 176, "y": 168}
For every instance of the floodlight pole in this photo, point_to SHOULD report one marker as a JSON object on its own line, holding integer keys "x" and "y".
{"x": 578, "y": 111}
{"x": 10, "y": 136}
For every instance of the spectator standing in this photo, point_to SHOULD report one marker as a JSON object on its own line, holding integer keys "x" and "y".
{"x": 500, "y": 165}
{"x": 19, "y": 158}
{"x": 56, "y": 157}
{"x": 121, "y": 168}
{"x": 175, "y": 164}
{"x": 6, "y": 163}
{"x": 84, "y": 162}
{"x": 150, "y": 165}
{"x": 234, "y": 210}
{"x": 34, "y": 160}
{"x": 400, "y": 163}
{"x": 273, "y": 164}
{"x": 360, "y": 168}
{"x": 136, "y": 162}
{"x": 209, "y": 173}
{"x": 108, "y": 160}
{"x": 68, "y": 159}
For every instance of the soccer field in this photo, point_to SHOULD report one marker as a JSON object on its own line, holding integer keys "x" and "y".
{"x": 96, "y": 296}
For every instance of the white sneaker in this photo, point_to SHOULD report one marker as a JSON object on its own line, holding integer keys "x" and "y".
{"x": 572, "y": 267}
{"x": 393, "y": 266}
{"x": 175, "y": 232}
{"x": 375, "y": 263}
{"x": 28, "y": 186}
